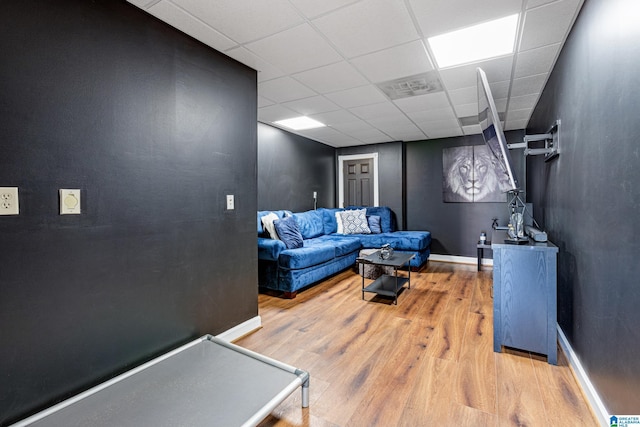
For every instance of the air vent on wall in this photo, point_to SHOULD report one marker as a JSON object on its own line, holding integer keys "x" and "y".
{"x": 418, "y": 84}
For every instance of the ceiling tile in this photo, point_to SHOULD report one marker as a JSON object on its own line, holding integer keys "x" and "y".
{"x": 548, "y": 24}
{"x": 315, "y": 8}
{"x": 471, "y": 129}
{"x": 467, "y": 110}
{"x": 535, "y": 3}
{"x": 314, "y": 105}
{"x": 275, "y": 112}
{"x": 356, "y": 97}
{"x": 392, "y": 124}
{"x": 435, "y": 118}
{"x": 536, "y": 61}
{"x": 522, "y": 102}
{"x": 410, "y": 135}
{"x": 528, "y": 85}
{"x": 371, "y": 136}
{"x": 399, "y": 61}
{"x": 517, "y": 115}
{"x": 190, "y": 25}
{"x": 432, "y": 101}
{"x": 332, "y": 78}
{"x": 443, "y": 132}
{"x": 500, "y": 89}
{"x": 284, "y": 89}
{"x": 352, "y": 126}
{"x": 296, "y": 49}
{"x": 335, "y": 118}
{"x": 465, "y": 76}
{"x": 244, "y": 20}
{"x": 440, "y": 16}
{"x": 266, "y": 71}
{"x": 383, "y": 109}
{"x": 465, "y": 95}
{"x": 372, "y": 31}
{"x": 264, "y": 102}
{"x": 516, "y": 124}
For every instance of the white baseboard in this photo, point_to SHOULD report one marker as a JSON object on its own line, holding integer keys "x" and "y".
{"x": 587, "y": 388}
{"x": 460, "y": 259}
{"x": 241, "y": 330}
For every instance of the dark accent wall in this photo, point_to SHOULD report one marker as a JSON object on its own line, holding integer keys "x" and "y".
{"x": 291, "y": 168}
{"x": 455, "y": 227}
{"x": 589, "y": 197}
{"x": 390, "y": 174}
{"x": 155, "y": 129}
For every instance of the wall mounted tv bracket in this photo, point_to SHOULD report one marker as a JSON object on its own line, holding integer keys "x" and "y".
{"x": 551, "y": 141}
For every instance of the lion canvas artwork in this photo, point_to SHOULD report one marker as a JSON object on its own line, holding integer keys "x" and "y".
{"x": 470, "y": 174}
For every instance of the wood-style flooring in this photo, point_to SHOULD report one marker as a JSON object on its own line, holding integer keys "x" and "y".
{"x": 428, "y": 361}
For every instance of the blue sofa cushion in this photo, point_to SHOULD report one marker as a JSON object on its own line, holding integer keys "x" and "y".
{"x": 374, "y": 224}
{"x": 310, "y": 223}
{"x": 343, "y": 244}
{"x": 329, "y": 219}
{"x": 289, "y": 232}
{"x": 399, "y": 240}
{"x": 306, "y": 256}
{"x": 269, "y": 249}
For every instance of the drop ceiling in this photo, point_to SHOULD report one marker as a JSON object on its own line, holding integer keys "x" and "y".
{"x": 331, "y": 60}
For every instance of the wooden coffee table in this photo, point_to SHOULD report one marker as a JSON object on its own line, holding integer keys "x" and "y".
{"x": 387, "y": 285}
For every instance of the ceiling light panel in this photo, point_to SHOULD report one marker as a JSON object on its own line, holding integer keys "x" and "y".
{"x": 442, "y": 16}
{"x": 300, "y": 123}
{"x": 479, "y": 42}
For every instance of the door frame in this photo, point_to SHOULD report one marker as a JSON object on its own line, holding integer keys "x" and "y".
{"x": 365, "y": 156}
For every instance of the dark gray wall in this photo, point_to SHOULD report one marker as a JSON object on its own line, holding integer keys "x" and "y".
{"x": 455, "y": 227}
{"x": 589, "y": 197}
{"x": 390, "y": 174}
{"x": 291, "y": 168}
{"x": 155, "y": 129}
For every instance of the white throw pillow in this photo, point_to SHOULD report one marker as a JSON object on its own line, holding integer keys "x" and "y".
{"x": 355, "y": 222}
{"x": 267, "y": 223}
{"x": 339, "y": 221}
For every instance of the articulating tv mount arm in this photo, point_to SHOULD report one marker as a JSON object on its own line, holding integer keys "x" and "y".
{"x": 551, "y": 143}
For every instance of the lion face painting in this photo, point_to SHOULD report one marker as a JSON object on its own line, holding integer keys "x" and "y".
{"x": 471, "y": 175}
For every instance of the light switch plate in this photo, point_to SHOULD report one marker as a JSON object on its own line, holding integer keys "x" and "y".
{"x": 9, "y": 204}
{"x": 230, "y": 202}
{"x": 69, "y": 202}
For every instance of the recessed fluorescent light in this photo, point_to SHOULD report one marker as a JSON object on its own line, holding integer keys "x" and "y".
{"x": 300, "y": 123}
{"x": 476, "y": 43}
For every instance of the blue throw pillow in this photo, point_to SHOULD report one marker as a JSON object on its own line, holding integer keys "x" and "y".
{"x": 374, "y": 224}
{"x": 289, "y": 232}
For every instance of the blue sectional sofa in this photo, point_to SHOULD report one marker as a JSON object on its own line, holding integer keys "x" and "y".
{"x": 324, "y": 252}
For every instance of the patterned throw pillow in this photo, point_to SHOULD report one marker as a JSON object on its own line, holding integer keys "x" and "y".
{"x": 355, "y": 222}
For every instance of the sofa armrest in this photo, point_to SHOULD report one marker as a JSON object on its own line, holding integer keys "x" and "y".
{"x": 269, "y": 249}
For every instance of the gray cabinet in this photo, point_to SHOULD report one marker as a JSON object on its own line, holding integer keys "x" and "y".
{"x": 524, "y": 296}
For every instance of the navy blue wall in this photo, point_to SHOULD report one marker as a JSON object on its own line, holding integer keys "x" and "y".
{"x": 291, "y": 168}
{"x": 155, "y": 129}
{"x": 589, "y": 197}
{"x": 455, "y": 227}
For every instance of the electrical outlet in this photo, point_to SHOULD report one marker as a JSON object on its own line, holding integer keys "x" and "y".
{"x": 9, "y": 204}
{"x": 69, "y": 201}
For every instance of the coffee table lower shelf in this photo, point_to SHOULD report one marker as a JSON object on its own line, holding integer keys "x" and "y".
{"x": 387, "y": 286}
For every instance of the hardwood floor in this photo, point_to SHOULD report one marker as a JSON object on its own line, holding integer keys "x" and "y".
{"x": 428, "y": 361}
